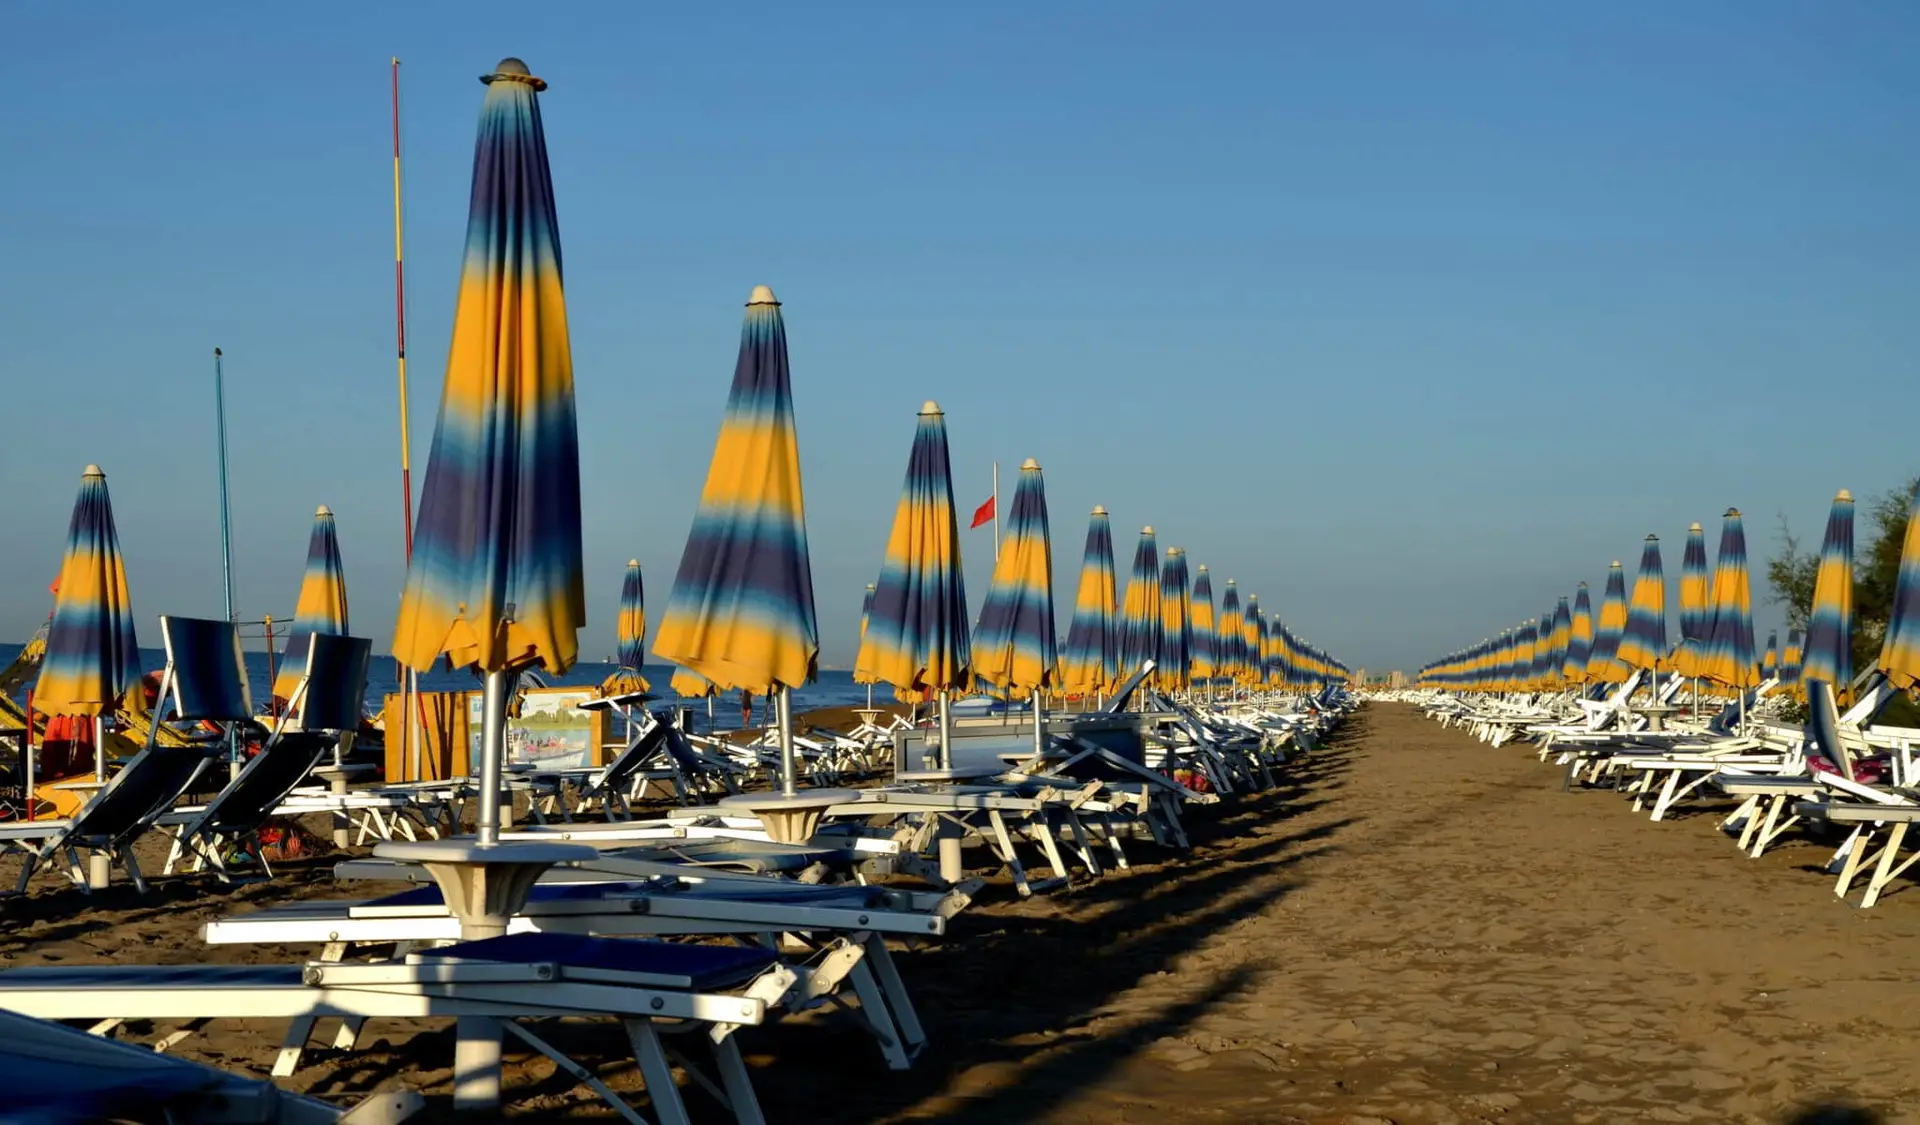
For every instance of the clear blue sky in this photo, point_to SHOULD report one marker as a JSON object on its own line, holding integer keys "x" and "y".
{"x": 1406, "y": 316}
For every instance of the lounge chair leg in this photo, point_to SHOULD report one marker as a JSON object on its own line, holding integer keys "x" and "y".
{"x": 577, "y": 1072}
{"x": 293, "y": 1047}
{"x": 1856, "y": 849}
{"x": 1006, "y": 850}
{"x": 873, "y": 1007}
{"x": 739, "y": 1084}
{"x": 657, "y": 1072}
{"x": 348, "y": 1037}
{"x": 1884, "y": 872}
{"x": 132, "y": 866}
{"x": 899, "y": 1002}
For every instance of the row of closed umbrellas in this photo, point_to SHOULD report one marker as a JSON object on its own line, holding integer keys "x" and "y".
{"x": 1716, "y": 643}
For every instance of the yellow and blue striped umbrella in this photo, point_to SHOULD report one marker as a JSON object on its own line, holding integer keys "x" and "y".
{"x": 1770, "y": 659}
{"x": 1174, "y": 671}
{"x": 1091, "y": 663}
{"x": 1729, "y": 651}
{"x": 496, "y": 580}
{"x": 1604, "y": 664}
{"x": 740, "y": 612}
{"x": 1579, "y": 637}
{"x": 1140, "y": 621}
{"x": 1015, "y": 645}
{"x": 866, "y": 610}
{"x": 1253, "y": 632}
{"x": 1790, "y": 660}
{"x": 1900, "y": 653}
{"x": 1696, "y": 611}
{"x": 1644, "y": 644}
{"x": 1523, "y": 666}
{"x": 917, "y": 639}
{"x": 1561, "y": 643}
{"x": 1273, "y": 662}
{"x": 1230, "y": 639}
{"x": 690, "y": 684}
{"x": 1206, "y": 665}
{"x": 92, "y": 657}
{"x": 1829, "y": 652}
{"x": 322, "y": 607}
{"x": 630, "y": 637}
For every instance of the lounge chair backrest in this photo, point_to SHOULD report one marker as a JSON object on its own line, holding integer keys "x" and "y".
{"x": 1120, "y": 698}
{"x": 248, "y": 800}
{"x": 621, "y": 769}
{"x": 209, "y": 680}
{"x": 681, "y": 751}
{"x": 147, "y": 787}
{"x": 335, "y": 682}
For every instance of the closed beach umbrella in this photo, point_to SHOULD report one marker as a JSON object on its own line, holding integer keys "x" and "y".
{"x": 1562, "y": 644}
{"x": 1174, "y": 668}
{"x": 1829, "y": 653}
{"x": 92, "y": 658}
{"x": 1091, "y": 662}
{"x": 917, "y": 638}
{"x": 322, "y": 607}
{"x": 1140, "y": 621}
{"x": 1205, "y": 663}
{"x": 1230, "y": 639}
{"x": 1604, "y": 664}
{"x": 1253, "y": 633}
{"x": 1790, "y": 661}
{"x": 495, "y": 582}
{"x": 1729, "y": 651}
{"x": 1770, "y": 659}
{"x": 740, "y": 613}
{"x": 1696, "y": 613}
{"x": 1900, "y": 653}
{"x": 1644, "y": 645}
{"x": 1014, "y": 645}
{"x": 866, "y": 610}
{"x": 630, "y": 636}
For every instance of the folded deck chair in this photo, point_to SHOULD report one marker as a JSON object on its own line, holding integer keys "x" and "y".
{"x": 486, "y": 986}
{"x": 57, "y": 1075}
{"x": 328, "y": 696}
{"x": 203, "y": 680}
{"x": 843, "y": 930}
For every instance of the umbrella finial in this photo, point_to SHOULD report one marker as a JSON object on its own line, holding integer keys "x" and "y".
{"x": 1029, "y": 463}
{"x": 633, "y": 562}
{"x": 929, "y": 407}
{"x": 323, "y": 510}
{"x": 1730, "y": 513}
{"x": 762, "y": 295}
{"x": 1099, "y": 509}
{"x": 94, "y": 471}
{"x": 1844, "y": 494}
{"x": 513, "y": 70}
{"x": 1147, "y": 530}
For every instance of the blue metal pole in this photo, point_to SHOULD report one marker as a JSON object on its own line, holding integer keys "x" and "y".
{"x": 226, "y": 532}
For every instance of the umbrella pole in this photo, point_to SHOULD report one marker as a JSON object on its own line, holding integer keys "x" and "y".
{"x": 946, "y": 731}
{"x": 1039, "y": 726}
{"x": 26, "y": 739}
{"x": 783, "y": 708}
{"x": 99, "y": 749}
{"x": 493, "y": 754}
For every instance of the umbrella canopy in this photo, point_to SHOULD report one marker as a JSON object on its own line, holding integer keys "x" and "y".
{"x": 1230, "y": 638}
{"x": 1174, "y": 669}
{"x": 1015, "y": 645}
{"x": 495, "y": 581}
{"x": 1525, "y": 639}
{"x": 1579, "y": 637}
{"x": 1644, "y": 644}
{"x": 1791, "y": 659}
{"x": 1604, "y": 665}
{"x": 1092, "y": 660}
{"x": 690, "y": 684}
{"x": 1205, "y": 664}
{"x": 917, "y": 639}
{"x": 1829, "y": 652}
{"x": 1253, "y": 633}
{"x": 1900, "y": 653}
{"x": 1696, "y": 613}
{"x": 1140, "y": 620}
{"x": 1770, "y": 659}
{"x": 1274, "y": 662}
{"x": 1729, "y": 651}
{"x": 740, "y": 613}
{"x": 630, "y": 636}
{"x": 92, "y": 657}
{"x": 322, "y": 607}
{"x": 866, "y": 610}
{"x": 1560, "y": 641}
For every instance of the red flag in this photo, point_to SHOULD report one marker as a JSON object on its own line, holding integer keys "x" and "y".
{"x": 983, "y": 513}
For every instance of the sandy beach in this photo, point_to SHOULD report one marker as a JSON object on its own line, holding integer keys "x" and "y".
{"x": 1415, "y": 928}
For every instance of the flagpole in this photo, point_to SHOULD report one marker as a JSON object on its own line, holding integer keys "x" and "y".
{"x": 996, "y": 511}
{"x": 409, "y": 680}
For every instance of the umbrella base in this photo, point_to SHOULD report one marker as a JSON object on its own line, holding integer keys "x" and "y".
{"x": 789, "y": 820}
